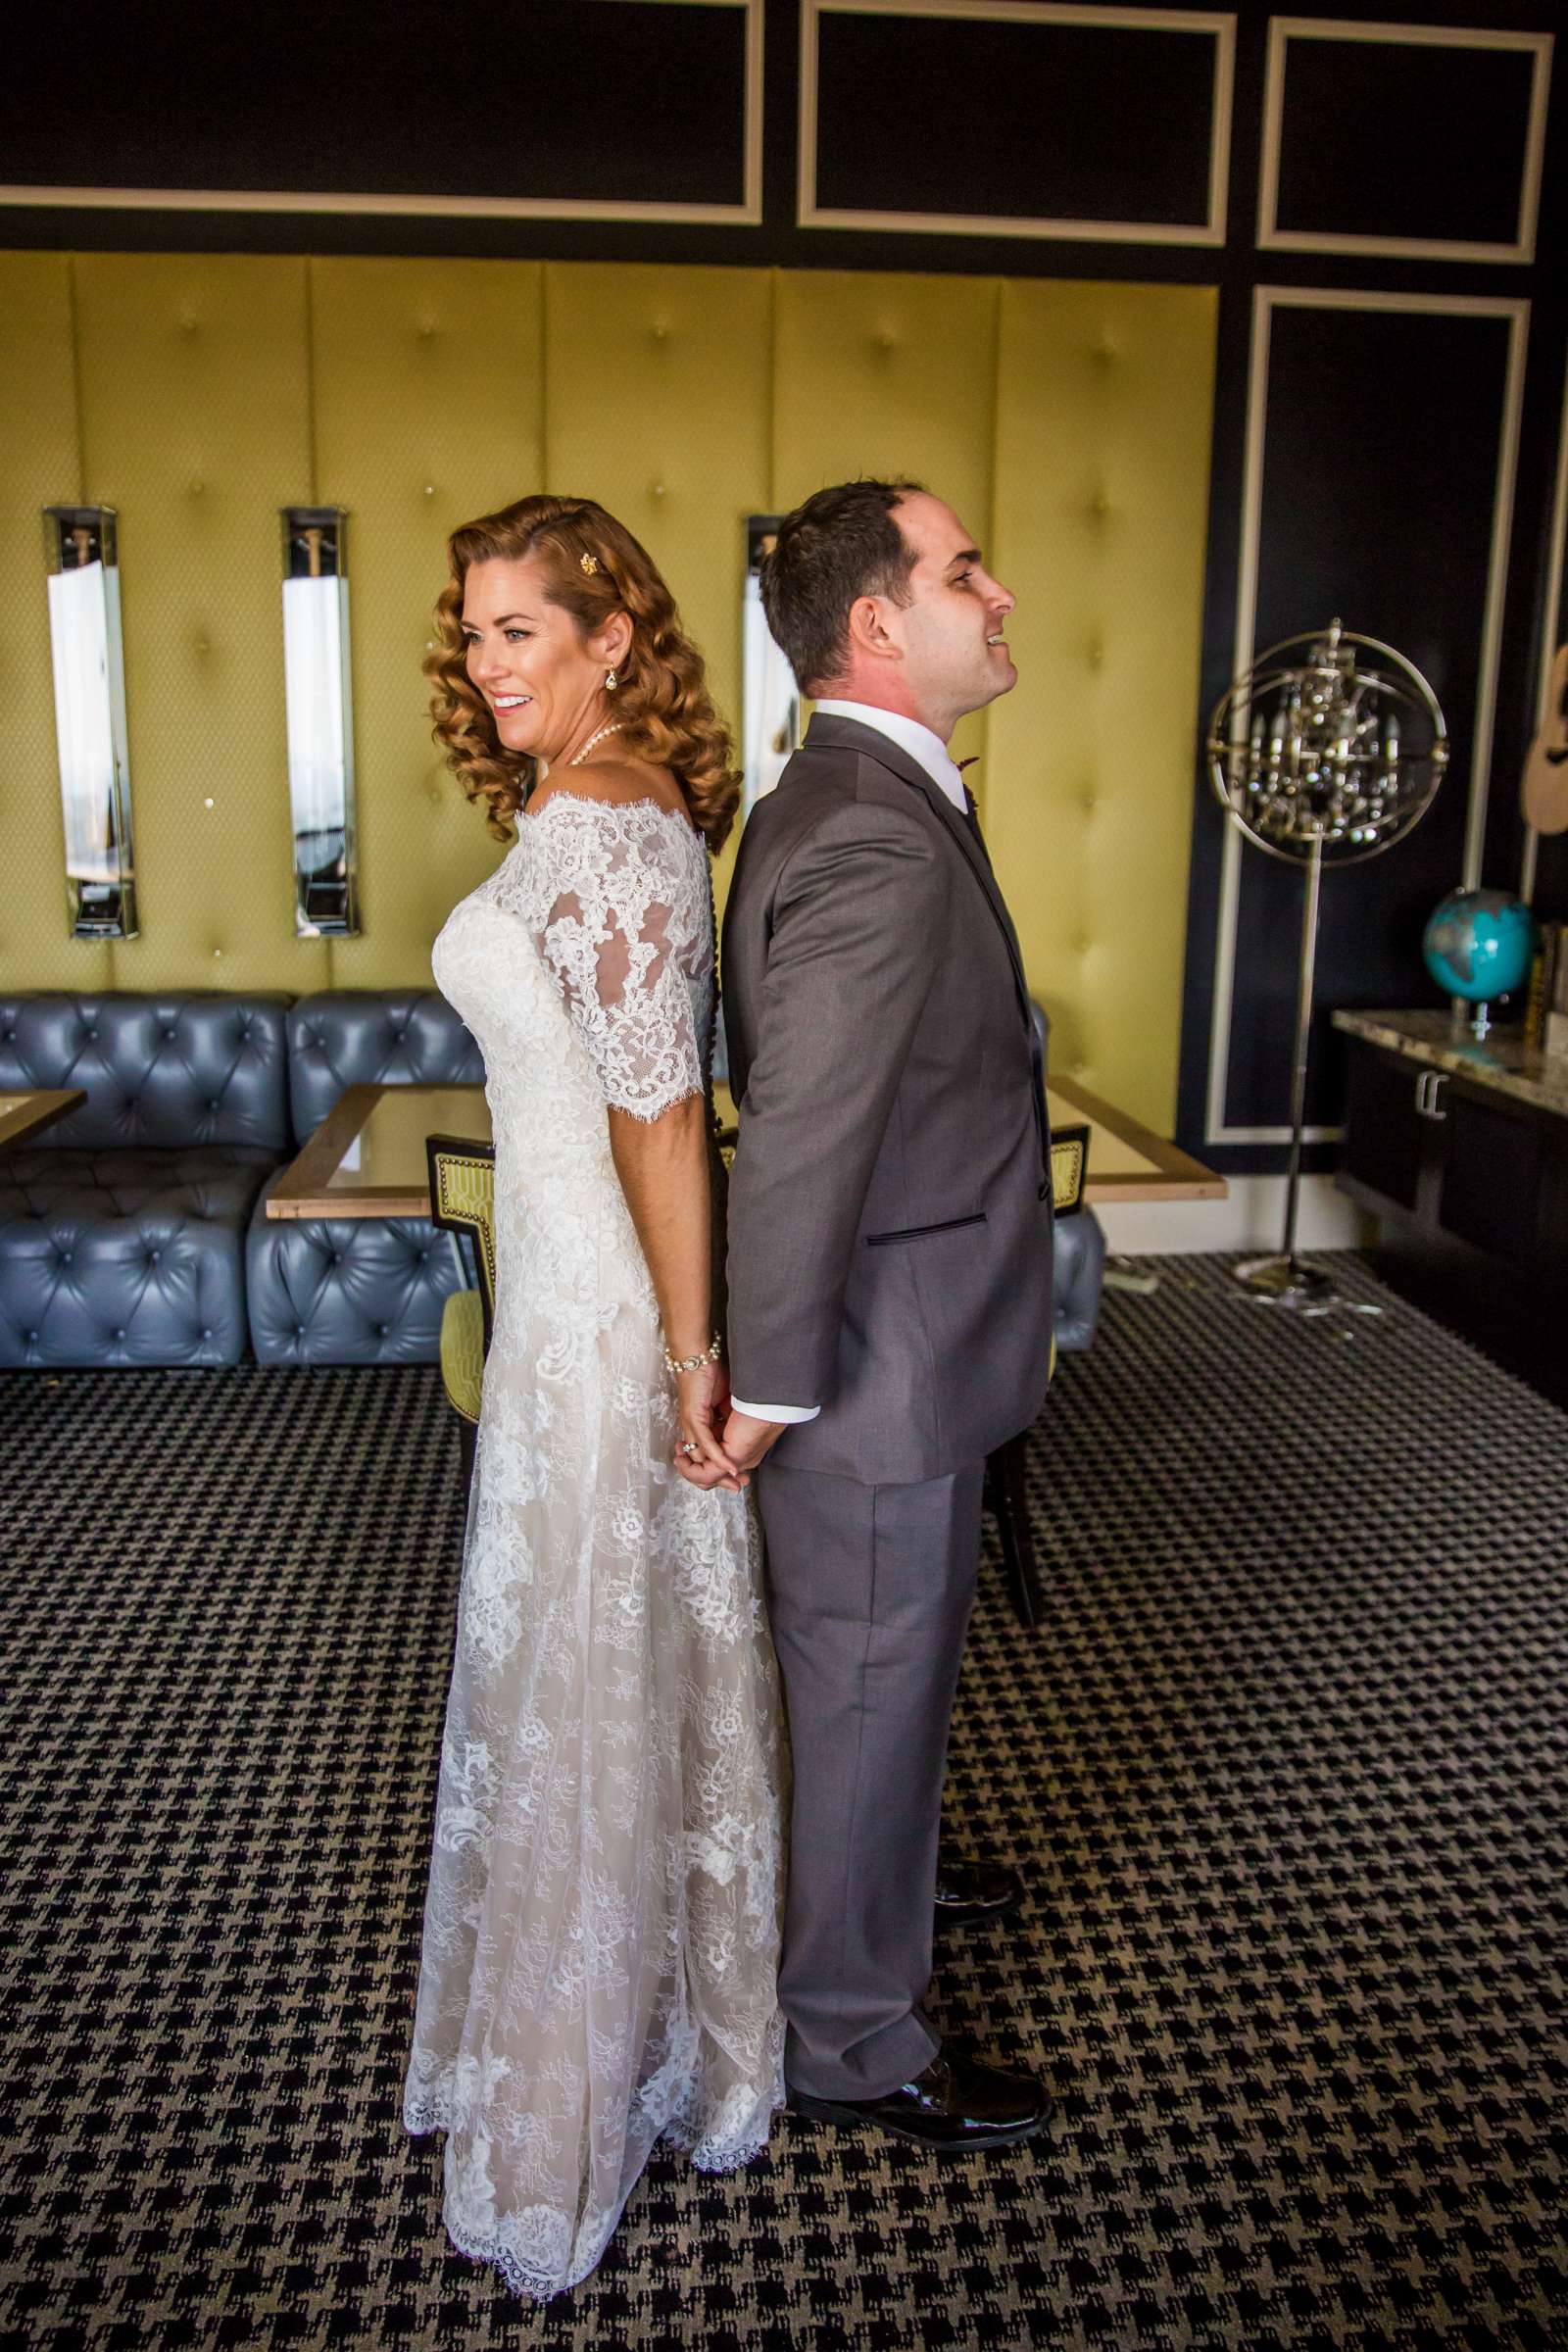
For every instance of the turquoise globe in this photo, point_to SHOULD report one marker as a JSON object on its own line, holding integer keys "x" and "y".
{"x": 1477, "y": 945}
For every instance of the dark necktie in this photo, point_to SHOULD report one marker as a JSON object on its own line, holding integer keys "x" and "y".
{"x": 971, "y": 816}
{"x": 1037, "y": 1066}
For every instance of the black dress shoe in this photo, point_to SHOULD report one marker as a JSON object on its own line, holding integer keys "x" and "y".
{"x": 957, "y": 2103}
{"x": 975, "y": 1889}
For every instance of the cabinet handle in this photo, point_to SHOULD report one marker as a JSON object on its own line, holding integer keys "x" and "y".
{"x": 1426, "y": 1093}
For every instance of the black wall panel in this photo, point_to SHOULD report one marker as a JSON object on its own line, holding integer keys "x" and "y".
{"x": 590, "y": 100}
{"x": 1399, "y": 139}
{"x": 1032, "y": 120}
{"x": 1380, "y": 470}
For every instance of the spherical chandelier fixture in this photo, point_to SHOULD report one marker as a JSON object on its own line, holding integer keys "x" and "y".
{"x": 1319, "y": 757}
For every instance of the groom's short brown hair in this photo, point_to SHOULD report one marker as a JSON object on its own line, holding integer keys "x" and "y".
{"x": 842, "y": 542}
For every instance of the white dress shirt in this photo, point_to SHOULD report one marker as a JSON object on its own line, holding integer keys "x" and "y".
{"x": 933, "y": 755}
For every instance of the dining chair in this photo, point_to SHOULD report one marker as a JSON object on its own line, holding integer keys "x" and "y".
{"x": 462, "y": 1202}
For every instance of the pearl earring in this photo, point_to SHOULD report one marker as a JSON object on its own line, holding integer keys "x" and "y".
{"x": 610, "y": 683}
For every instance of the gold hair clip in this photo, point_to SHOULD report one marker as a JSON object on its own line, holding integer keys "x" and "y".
{"x": 590, "y": 564}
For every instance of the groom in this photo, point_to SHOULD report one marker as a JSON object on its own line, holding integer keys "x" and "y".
{"x": 889, "y": 1274}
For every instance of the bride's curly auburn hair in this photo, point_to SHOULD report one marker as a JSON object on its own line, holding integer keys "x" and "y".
{"x": 661, "y": 702}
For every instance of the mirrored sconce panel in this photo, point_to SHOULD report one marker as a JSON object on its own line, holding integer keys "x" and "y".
{"x": 320, "y": 726}
{"x": 83, "y": 571}
{"x": 770, "y": 702}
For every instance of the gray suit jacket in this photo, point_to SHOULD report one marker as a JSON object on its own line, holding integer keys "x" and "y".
{"x": 890, "y": 1203}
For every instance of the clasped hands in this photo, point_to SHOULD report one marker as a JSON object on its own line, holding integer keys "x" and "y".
{"x": 716, "y": 1445}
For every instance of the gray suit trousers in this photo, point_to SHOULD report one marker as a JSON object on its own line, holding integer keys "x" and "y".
{"x": 870, "y": 1594}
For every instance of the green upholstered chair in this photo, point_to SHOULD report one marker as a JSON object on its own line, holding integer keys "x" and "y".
{"x": 463, "y": 1200}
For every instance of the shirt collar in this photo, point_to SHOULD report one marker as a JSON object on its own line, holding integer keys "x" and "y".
{"x": 908, "y": 733}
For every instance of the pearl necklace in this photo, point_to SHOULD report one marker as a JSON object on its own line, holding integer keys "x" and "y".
{"x": 614, "y": 728}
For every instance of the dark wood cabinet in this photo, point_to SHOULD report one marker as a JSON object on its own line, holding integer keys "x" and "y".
{"x": 1385, "y": 1139}
{"x": 1455, "y": 1155}
{"x": 1488, "y": 1178}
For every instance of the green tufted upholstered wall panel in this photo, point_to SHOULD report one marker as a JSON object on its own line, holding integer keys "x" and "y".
{"x": 429, "y": 408}
{"x": 659, "y": 406}
{"x": 1104, "y": 396}
{"x": 198, "y": 392}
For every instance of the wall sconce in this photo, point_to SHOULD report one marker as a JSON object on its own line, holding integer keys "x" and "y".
{"x": 81, "y": 551}
{"x": 320, "y": 726}
{"x": 770, "y": 701}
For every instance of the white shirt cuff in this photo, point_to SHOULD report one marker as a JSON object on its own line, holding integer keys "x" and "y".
{"x": 777, "y": 1412}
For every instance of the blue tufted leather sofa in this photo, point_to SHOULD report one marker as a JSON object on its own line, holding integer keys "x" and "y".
{"x": 123, "y": 1228}
{"x": 1078, "y": 1274}
{"x": 357, "y": 1290}
{"x": 1078, "y": 1255}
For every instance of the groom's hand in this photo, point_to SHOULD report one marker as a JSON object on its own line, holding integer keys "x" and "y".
{"x": 746, "y": 1440}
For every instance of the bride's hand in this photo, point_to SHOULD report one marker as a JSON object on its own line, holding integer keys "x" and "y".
{"x": 703, "y": 1405}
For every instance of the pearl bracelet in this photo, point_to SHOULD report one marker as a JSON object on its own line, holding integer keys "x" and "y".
{"x": 694, "y": 1363}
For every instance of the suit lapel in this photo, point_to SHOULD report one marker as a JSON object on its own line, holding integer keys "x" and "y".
{"x": 835, "y": 734}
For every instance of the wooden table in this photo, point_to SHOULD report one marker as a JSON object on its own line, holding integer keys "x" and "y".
{"x": 1126, "y": 1161}
{"x": 367, "y": 1158}
{"x": 30, "y": 1113}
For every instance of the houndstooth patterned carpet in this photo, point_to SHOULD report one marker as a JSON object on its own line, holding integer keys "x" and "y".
{"x": 1284, "y": 1766}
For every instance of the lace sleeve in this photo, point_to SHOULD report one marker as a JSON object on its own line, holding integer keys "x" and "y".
{"x": 616, "y": 923}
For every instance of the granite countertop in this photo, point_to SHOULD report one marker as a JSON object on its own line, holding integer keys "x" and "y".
{"x": 1444, "y": 1041}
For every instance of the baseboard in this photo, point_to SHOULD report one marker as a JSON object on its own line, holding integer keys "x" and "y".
{"x": 1253, "y": 1218}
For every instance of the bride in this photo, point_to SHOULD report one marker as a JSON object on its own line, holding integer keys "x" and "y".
{"x": 601, "y": 1931}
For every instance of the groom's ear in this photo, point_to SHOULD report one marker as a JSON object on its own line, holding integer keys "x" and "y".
{"x": 868, "y": 630}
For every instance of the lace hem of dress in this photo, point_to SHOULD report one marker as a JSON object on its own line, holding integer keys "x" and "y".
{"x": 430, "y": 2111}
{"x": 647, "y": 1118}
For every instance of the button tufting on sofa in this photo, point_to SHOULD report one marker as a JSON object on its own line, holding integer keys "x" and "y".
{"x": 170, "y": 1159}
{"x": 104, "y": 1190}
{"x": 363, "y": 1290}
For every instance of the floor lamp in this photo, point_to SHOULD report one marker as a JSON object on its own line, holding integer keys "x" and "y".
{"x": 1318, "y": 761}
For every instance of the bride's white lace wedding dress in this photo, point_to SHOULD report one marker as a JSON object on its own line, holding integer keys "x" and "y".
{"x": 601, "y": 1932}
